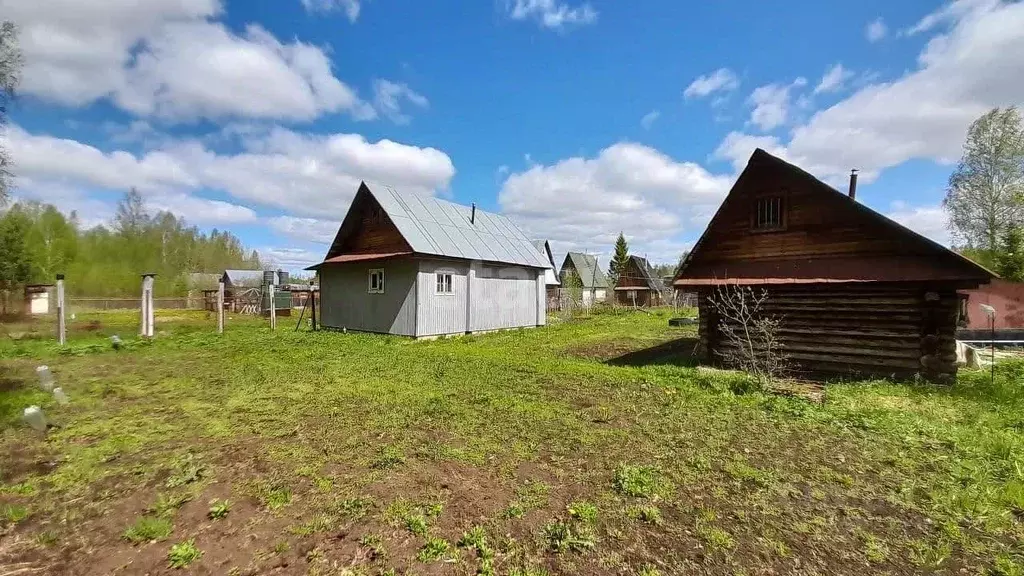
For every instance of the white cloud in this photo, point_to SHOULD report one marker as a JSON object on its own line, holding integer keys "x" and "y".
{"x": 301, "y": 173}
{"x": 930, "y": 221}
{"x": 952, "y": 12}
{"x": 551, "y": 13}
{"x": 833, "y": 80}
{"x": 962, "y": 73}
{"x": 168, "y": 58}
{"x": 583, "y": 203}
{"x": 288, "y": 258}
{"x": 388, "y": 98}
{"x": 723, "y": 79}
{"x": 771, "y": 104}
{"x": 737, "y": 148}
{"x": 201, "y": 210}
{"x": 350, "y": 7}
{"x": 876, "y": 30}
{"x": 649, "y": 119}
{"x": 308, "y": 229}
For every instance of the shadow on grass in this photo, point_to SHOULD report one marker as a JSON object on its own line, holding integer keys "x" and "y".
{"x": 679, "y": 352}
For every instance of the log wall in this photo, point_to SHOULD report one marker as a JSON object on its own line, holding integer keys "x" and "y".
{"x": 855, "y": 331}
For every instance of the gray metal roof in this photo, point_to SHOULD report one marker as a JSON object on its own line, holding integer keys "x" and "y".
{"x": 646, "y": 273}
{"x": 550, "y": 277}
{"x": 250, "y": 278}
{"x": 586, "y": 266}
{"x": 438, "y": 227}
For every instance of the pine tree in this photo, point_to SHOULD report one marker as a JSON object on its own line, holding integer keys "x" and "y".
{"x": 1010, "y": 258}
{"x": 619, "y": 260}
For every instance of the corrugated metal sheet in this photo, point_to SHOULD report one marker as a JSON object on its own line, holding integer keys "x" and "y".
{"x": 441, "y": 228}
{"x": 550, "y": 277}
{"x": 345, "y": 302}
{"x": 504, "y": 303}
{"x": 441, "y": 313}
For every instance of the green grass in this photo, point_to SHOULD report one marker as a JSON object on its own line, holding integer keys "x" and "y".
{"x": 553, "y": 442}
{"x": 219, "y": 510}
{"x": 183, "y": 554}
{"x": 148, "y": 528}
{"x": 433, "y": 549}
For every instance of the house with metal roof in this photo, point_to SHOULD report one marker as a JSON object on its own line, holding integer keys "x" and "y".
{"x": 585, "y": 267}
{"x": 637, "y": 285}
{"x": 550, "y": 275}
{"x": 420, "y": 266}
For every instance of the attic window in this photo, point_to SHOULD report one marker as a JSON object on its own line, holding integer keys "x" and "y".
{"x": 768, "y": 214}
{"x": 376, "y": 215}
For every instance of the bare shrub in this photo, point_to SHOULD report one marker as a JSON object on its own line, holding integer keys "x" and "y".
{"x": 754, "y": 345}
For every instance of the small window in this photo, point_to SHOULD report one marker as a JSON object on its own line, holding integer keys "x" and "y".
{"x": 376, "y": 281}
{"x": 444, "y": 283}
{"x": 768, "y": 213}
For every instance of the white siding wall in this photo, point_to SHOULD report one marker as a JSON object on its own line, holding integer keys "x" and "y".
{"x": 508, "y": 301}
{"x": 441, "y": 313}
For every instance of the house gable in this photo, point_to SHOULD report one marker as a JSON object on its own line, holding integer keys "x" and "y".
{"x": 779, "y": 224}
{"x": 636, "y": 275}
{"x": 367, "y": 230}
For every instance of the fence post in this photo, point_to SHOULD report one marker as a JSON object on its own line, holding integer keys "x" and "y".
{"x": 220, "y": 307}
{"x": 273, "y": 308}
{"x": 61, "y": 326}
{"x": 147, "y": 305}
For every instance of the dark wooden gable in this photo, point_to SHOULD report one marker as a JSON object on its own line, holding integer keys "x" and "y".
{"x": 635, "y": 275}
{"x": 779, "y": 224}
{"x": 367, "y": 230}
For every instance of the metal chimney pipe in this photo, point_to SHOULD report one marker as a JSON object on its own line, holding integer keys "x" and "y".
{"x": 853, "y": 184}
{"x": 472, "y": 214}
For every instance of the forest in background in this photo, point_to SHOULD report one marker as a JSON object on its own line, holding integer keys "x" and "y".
{"x": 37, "y": 242}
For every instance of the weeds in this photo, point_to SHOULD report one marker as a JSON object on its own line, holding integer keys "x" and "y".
{"x": 183, "y": 554}
{"x": 13, "y": 513}
{"x": 564, "y": 536}
{"x": 147, "y": 529}
{"x": 434, "y": 549}
{"x": 646, "y": 514}
{"x": 638, "y": 481}
{"x": 582, "y": 511}
{"x": 219, "y": 510}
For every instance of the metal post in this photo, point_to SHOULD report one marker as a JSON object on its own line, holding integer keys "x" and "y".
{"x": 992, "y": 325}
{"x": 220, "y": 307}
{"x": 61, "y": 326}
{"x": 273, "y": 308}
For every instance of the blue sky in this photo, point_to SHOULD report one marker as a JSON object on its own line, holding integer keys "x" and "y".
{"x": 577, "y": 119}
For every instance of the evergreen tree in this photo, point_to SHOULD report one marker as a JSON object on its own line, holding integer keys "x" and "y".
{"x": 1010, "y": 258}
{"x": 619, "y": 260}
{"x": 15, "y": 266}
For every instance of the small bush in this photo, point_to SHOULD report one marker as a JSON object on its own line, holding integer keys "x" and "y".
{"x": 637, "y": 481}
{"x": 183, "y": 554}
{"x": 148, "y": 528}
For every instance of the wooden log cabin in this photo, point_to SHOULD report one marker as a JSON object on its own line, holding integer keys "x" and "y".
{"x": 856, "y": 293}
{"x": 636, "y": 285}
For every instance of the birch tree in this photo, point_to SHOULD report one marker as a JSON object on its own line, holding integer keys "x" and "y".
{"x": 985, "y": 196}
{"x": 10, "y": 73}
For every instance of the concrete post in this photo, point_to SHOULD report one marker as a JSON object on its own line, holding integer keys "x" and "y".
{"x": 273, "y": 308}
{"x": 147, "y": 305}
{"x": 220, "y": 307}
{"x": 61, "y": 326}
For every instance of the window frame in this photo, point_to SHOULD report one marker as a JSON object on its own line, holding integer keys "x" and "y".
{"x": 439, "y": 280}
{"x": 369, "y": 281}
{"x": 783, "y": 202}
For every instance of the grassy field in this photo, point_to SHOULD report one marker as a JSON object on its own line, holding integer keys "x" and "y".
{"x": 586, "y": 447}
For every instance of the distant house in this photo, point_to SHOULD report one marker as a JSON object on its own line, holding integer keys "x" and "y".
{"x": 637, "y": 285}
{"x": 584, "y": 266}
{"x": 247, "y": 291}
{"x": 855, "y": 292}
{"x": 550, "y": 275}
{"x": 419, "y": 266}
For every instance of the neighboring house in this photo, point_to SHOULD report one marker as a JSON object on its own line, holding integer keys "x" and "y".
{"x": 856, "y": 293}
{"x": 1006, "y": 297}
{"x": 419, "y": 266}
{"x": 595, "y": 283}
{"x": 550, "y": 275}
{"x": 637, "y": 285}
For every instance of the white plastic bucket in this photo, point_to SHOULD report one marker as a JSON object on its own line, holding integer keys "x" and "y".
{"x": 34, "y": 417}
{"x": 46, "y": 381}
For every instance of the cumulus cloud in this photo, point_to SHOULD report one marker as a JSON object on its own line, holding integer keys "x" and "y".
{"x": 929, "y": 221}
{"x": 649, "y": 119}
{"x": 289, "y": 258}
{"x": 301, "y": 173}
{"x": 876, "y": 30}
{"x": 962, "y": 72}
{"x": 583, "y": 203}
{"x": 308, "y": 229}
{"x": 389, "y": 96}
{"x": 833, "y": 80}
{"x": 350, "y": 7}
{"x": 552, "y": 14}
{"x": 721, "y": 80}
{"x": 170, "y": 59}
{"x": 771, "y": 104}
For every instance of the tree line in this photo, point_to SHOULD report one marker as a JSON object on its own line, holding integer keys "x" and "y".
{"x": 37, "y": 242}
